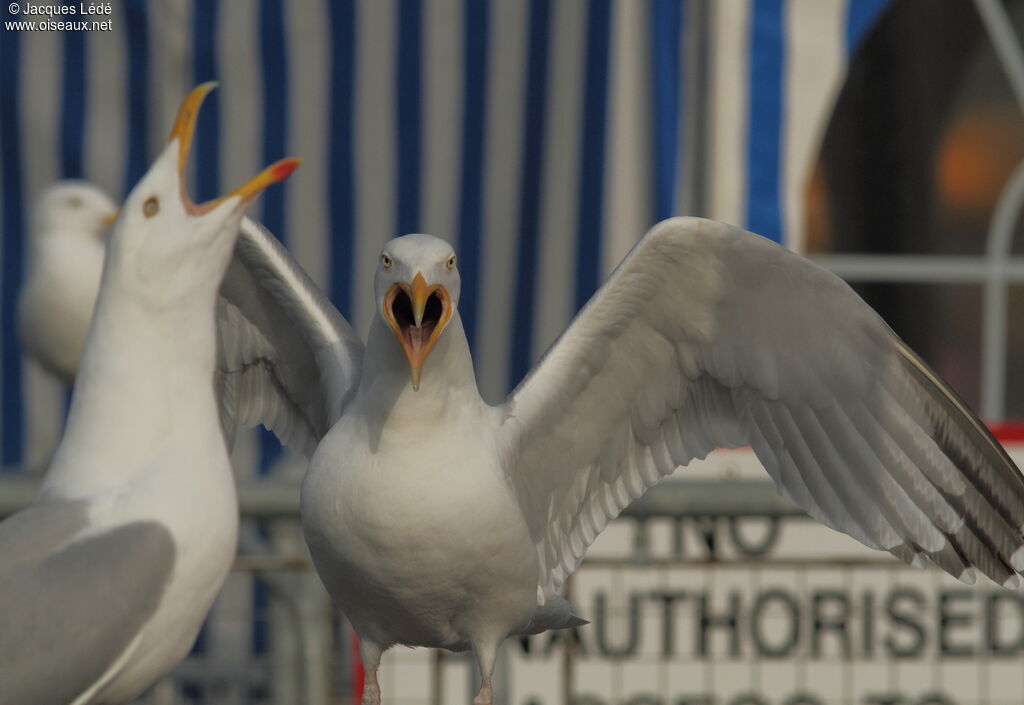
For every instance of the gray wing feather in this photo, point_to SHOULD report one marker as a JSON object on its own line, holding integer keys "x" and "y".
{"x": 288, "y": 359}
{"x": 39, "y": 529}
{"x": 709, "y": 336}
{"x": 68, "y": 612}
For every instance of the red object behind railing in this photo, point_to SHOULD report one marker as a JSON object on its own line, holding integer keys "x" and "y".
{"x": 358, "y": 674}
{"x": 1008, "y": 431}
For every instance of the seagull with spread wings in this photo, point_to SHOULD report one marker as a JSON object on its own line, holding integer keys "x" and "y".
{"x": 435, "y": 519}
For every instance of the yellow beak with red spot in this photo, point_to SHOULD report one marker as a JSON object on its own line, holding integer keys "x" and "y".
{"x": 417, "y": 313}
{"x": 184, "y": 130}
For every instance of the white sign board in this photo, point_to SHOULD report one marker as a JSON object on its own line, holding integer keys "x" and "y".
{"x": 786, "y": 614}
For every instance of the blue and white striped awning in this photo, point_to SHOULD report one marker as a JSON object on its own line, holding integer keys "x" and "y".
{"x": 541, "y": 136}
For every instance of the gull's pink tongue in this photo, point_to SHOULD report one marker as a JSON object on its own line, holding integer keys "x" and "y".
{"x": 417, "y": 336}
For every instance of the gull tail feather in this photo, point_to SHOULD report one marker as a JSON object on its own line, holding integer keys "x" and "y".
{"x": 575, "y": 621}
{"x": 556, "y": 613}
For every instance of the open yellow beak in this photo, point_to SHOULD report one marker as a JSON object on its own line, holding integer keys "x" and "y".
{"x": 417, "y": 313}
{"x": 184, "y": 130}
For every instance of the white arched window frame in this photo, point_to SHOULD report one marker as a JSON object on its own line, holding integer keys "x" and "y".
{"x": 995, "y": 270}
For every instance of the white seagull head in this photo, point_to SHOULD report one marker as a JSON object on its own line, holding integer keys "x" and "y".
{"x": 417, "y": 289}
{"x": 171, "y": 244}
{"x": 74, "y": 206}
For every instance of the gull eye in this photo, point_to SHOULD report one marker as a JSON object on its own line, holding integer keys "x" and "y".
{"x": 450, "y": 264}
{"x": 386, "y": 261}
{"x": 151, "y": 207}
{"x": 75, "y": 202}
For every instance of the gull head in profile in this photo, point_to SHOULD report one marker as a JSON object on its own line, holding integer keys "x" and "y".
{"x": 73, "y": 206}
{"x": 417, "y": 289}
{"x": 170, "y": 244}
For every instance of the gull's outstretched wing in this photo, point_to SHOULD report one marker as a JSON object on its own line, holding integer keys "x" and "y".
{"x": 709, "y": 336}
{"x": 287, "y": 358}
{"x": 71, "y": 607}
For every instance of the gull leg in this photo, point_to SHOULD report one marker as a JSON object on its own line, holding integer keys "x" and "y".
{"x": 485, "y": 696}
{"x": 370, "y": 652}
{"x": 486, "y": 654}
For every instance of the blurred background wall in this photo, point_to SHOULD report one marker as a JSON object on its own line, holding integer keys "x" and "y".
{"x": 542, "y": 137}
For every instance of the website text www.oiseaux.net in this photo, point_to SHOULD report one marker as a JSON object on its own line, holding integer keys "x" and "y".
{"x": 60, "y": 18}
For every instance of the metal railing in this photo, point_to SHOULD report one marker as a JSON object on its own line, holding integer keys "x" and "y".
{"x": 306, "y": 661}
{"x": 701, "y": 525}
